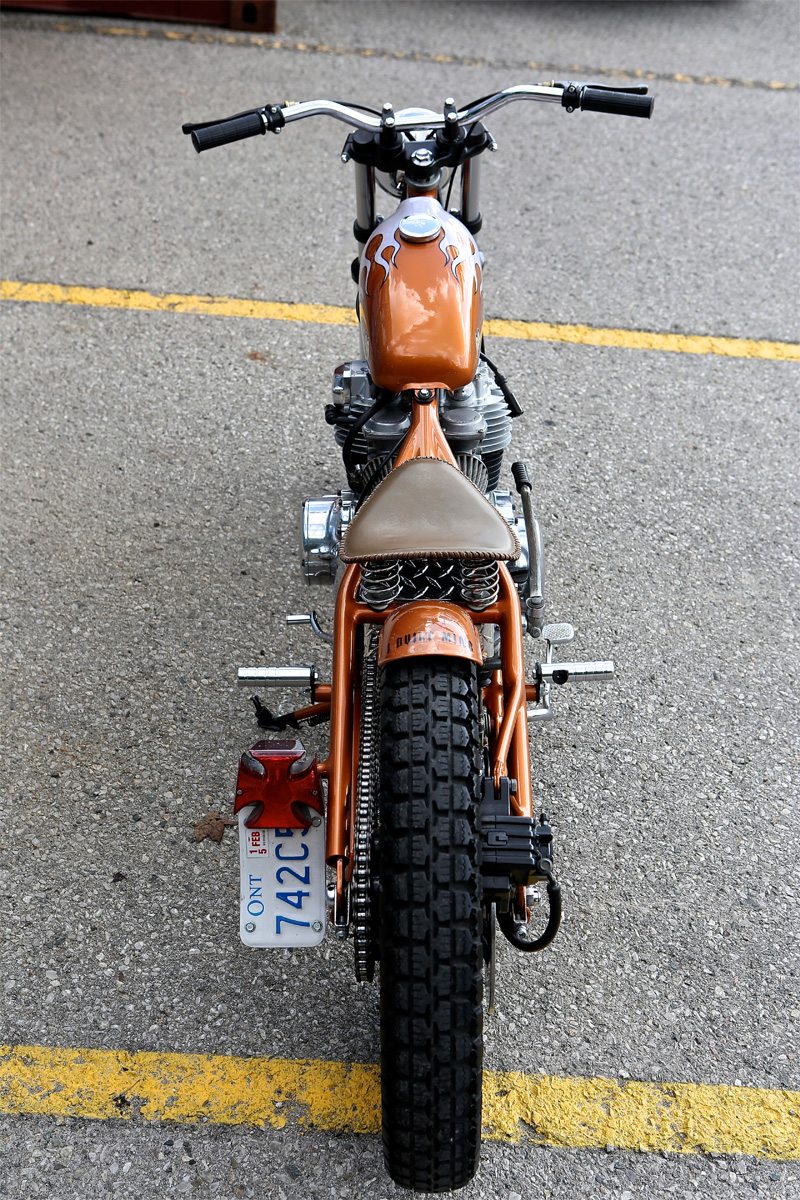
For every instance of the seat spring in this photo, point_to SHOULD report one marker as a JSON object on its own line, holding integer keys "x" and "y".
{"x": 480, "y": 584}
{"x": 474, "y": 584}
{"x": 380, "y": 583}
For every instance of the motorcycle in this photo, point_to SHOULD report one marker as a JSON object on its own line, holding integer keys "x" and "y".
{"x": 427, "y": 841}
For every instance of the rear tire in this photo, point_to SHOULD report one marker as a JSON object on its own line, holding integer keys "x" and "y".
{"x": 430, "y": 923}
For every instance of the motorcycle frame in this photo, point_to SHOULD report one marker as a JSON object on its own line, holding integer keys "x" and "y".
{"x": 504, "y": 695}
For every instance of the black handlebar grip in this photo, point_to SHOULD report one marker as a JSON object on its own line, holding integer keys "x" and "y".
{"x": 624, "y": 104}
{"x": 232, "y": 130}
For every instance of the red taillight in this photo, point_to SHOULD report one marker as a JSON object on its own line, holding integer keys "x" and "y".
{"x": 285, "y": 797}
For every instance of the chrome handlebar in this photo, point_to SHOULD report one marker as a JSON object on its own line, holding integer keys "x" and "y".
{"x": 271, "y": 118}
{"x": 627, "y": 101}
{"x": 414, "y": 120}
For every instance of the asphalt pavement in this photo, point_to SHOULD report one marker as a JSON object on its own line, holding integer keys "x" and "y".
{"x": 153, "y": 469}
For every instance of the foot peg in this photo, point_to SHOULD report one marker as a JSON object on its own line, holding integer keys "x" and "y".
{"x": 575, "y": 672}
{"x": 550, "y": 672}
{"x": 317, "y": 711}
{"x": 278, "y": 677}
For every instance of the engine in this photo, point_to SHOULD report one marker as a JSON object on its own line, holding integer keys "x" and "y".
{"x": 476, "y": 421}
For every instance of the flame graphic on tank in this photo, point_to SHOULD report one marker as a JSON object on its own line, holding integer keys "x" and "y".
{"x": 447, "y": 243}
{"x": 386, "y": 242}
{"x": 386, "y": 239}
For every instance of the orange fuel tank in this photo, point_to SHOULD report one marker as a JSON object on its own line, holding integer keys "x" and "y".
{"x": 421, "y": 298}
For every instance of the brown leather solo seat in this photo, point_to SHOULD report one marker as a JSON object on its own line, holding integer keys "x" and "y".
{"x": 427, "y": 508}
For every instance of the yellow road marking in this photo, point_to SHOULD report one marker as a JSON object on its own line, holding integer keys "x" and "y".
{"x": 330, "y": 314}
{"x": 213, "y": 306}
{"x": 643, "y": 339}
{"x": 269, "y": 42}
{"x": 574, "y": 1113}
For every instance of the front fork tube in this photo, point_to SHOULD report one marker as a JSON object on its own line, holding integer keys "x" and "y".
{"x": 471, "y": 191}
{"x": 365, "y": 203}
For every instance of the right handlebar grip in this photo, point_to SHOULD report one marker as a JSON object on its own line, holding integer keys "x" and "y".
{"x": 624, "y": 104}
{"x": 232, "y": 130}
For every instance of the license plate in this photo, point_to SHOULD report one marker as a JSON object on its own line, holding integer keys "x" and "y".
{"x": 282, "y": 885}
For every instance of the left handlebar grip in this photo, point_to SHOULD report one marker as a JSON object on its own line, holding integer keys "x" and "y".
{"x": 233, "y": 130}
{"x": 622, "y": 104}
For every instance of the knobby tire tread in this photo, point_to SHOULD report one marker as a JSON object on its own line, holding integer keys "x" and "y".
{"x": 431, "y": 962}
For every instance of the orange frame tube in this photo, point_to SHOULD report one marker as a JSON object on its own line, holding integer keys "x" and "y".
{"x": 425, "y": 438}
{"x": 505, "y": 698}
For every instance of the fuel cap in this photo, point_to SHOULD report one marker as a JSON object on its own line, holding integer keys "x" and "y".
{"x": 419, "y": 227}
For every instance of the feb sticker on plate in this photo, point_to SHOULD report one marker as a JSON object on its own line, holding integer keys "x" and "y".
{"x": 282, "y": 885}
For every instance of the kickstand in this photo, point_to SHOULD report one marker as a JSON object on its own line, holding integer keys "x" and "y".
{"x": 268, "y": 720}
{"x": 314, "y": 714}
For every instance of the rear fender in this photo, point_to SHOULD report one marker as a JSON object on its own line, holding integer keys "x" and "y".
{"x": 427, "y": 627}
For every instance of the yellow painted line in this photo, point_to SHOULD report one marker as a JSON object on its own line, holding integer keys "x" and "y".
{"x": 212, "y": 306}
{"x": 643, "y": 339}
{"x": 262, "y": 41}
{"x": 331, "y": 314}
{"x": 574, "y": 1113}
